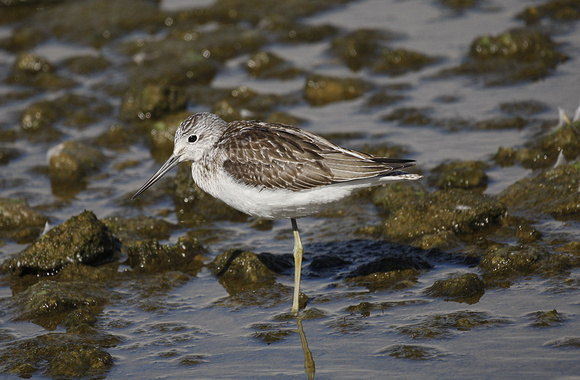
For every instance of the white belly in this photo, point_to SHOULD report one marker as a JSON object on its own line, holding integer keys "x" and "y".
{"x": 281, "y": 203}
{"x": 270, "y": 203}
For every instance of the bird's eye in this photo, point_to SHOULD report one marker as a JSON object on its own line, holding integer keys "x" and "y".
{"x": 192, "y": 138}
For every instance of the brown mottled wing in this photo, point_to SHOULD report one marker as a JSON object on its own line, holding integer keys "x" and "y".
{"x": 276, "y": 156}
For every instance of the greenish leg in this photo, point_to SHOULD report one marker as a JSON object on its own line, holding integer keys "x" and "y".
{"x": 298, "y": 252}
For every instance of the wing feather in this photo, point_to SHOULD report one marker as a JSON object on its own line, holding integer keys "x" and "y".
{"x": 277, "y": 156}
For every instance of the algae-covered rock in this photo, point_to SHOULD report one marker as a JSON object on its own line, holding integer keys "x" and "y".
{"x": 240, "y": 271}
{"x": 444, "y": 325}
{"x": 321, "y": 89}
{"x": 459, "y": 5}
{"x": 32, "y": 64}
{"x": 284, "y": 118}
{"x": 71, "y": 161}
{"x": 81, "y": 239}
{"x": 272, "y": 332}
{"x": 161, "y": 134}
{"x": 48, "y": 303}
{"x": 523, "y": 108}
{"x": 151, "y": 101}
{"x": 117, "y": 137}
{"x": 39, "y": 116}
{"x": 97, "y": 23}
{"x": 462, "y": 175}
{"x": 87, "y": 64}
{"x": 359, "y": 48}
{"x": 510, "y": 57}
{"x": 416, "y": 214}
{"x": 505, "y": 156}
{"x": 255, "y": 11}
{"x": 8, "y": 154}
{"x": 139, "y": 227}
{"x": 19, "y": 221}
{"x": 410, "y": 116}
{"x": 171, "y": 62}
{"x": 506, "y": 263}
{"x": 298, "y": 32}
{"x": 567, "y": 342}
{"x": 462, "y": 288}
{"x": 545, "y": 151}
{"x": 500, "y": 263}
{"x": 399, "y": 61}
{"x": 34, "y": 70}
{"x": 411, "y": 352}
{"x": 555, "y": 10}
{"x": 227, "y": 111}
{"x": 23, "y": 37}
{"x": 383, "y": 98}
{"x": 549, "y": 318}
{"x": 57, "y": 355}
{"x": 364, "y": 48}
{"x": 552, "y": 192}
{"x": 151, "y": 256}
{"x": 265, "y": 64}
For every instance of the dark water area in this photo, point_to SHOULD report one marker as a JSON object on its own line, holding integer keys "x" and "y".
{"x": 472, "y": 272}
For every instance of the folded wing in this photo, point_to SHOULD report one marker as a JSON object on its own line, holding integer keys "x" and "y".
{"x": 277, "y": 156}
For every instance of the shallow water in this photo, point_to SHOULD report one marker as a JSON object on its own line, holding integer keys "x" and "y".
{"x": 161, "y": 331}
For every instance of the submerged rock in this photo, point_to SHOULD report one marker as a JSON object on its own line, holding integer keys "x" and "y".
{"x": 57, "y": 355}
{"x": 49, "y": 303}
{"x": 443, "y": 325}
{"x": 81, "y": 239}
{"x": 412, "y": 352}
